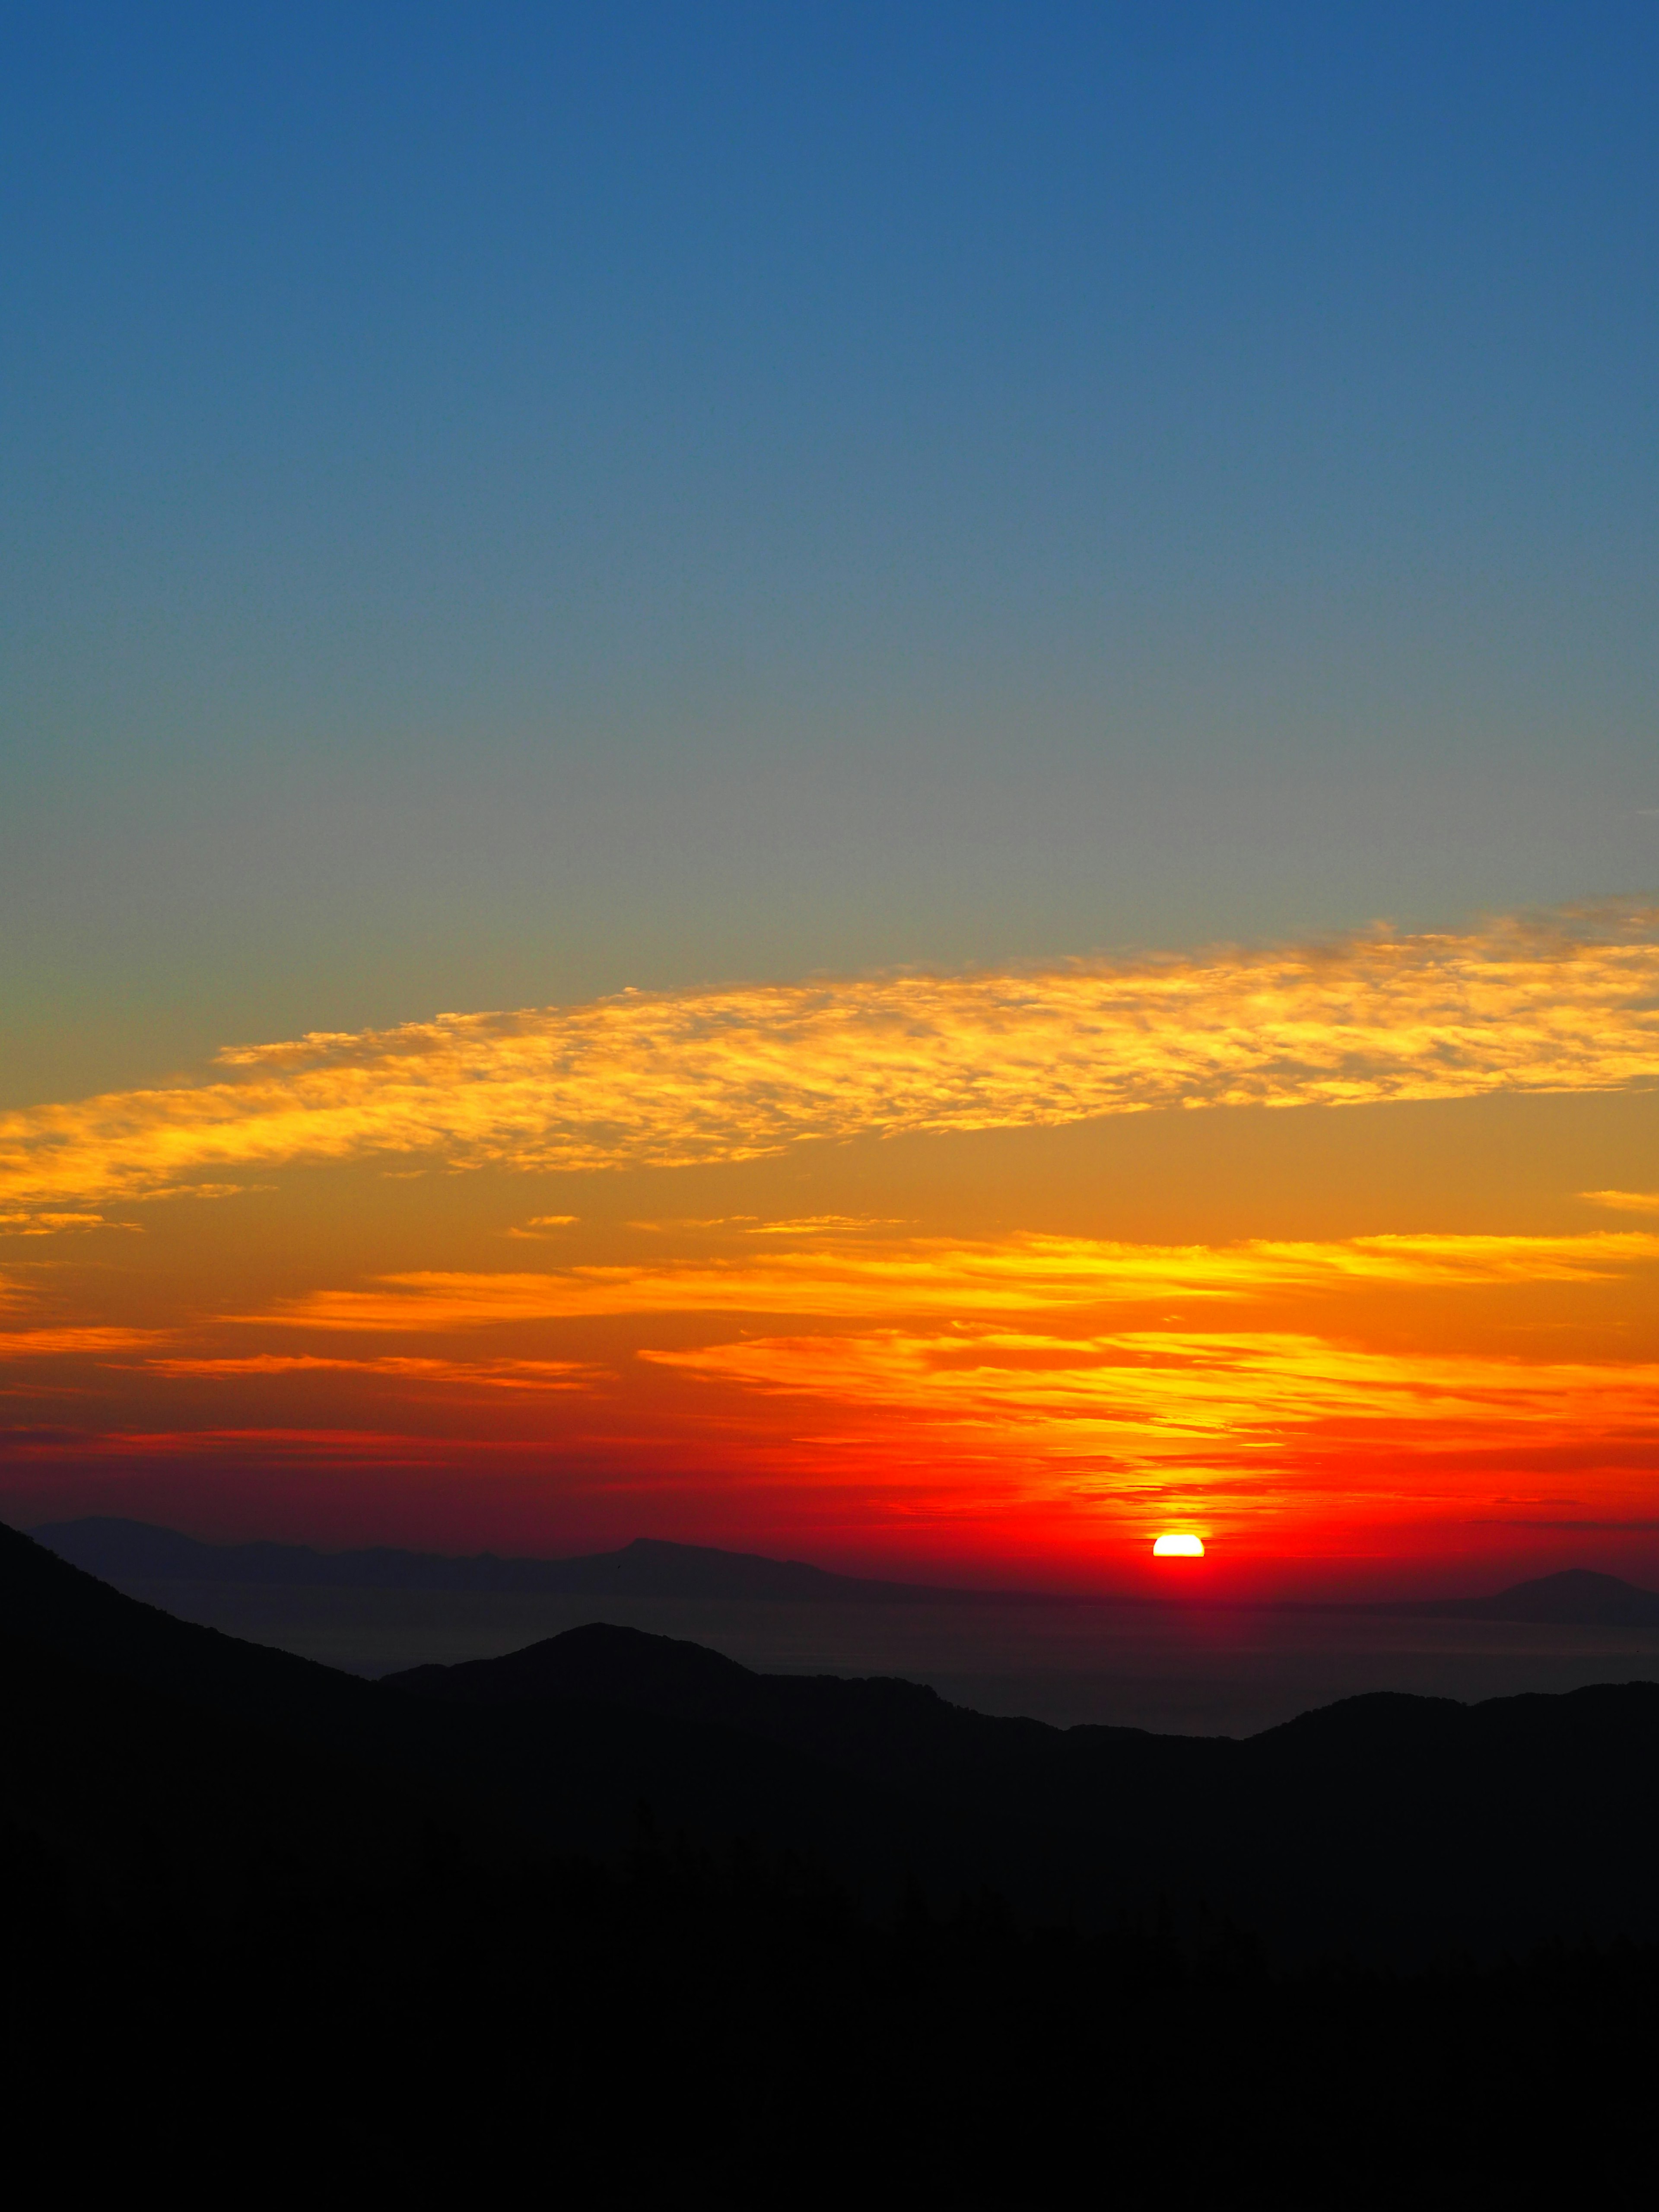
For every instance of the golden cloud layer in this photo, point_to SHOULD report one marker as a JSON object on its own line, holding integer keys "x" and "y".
{"x": 1018, "y": 1275}
{"x": 679, "y": 1077}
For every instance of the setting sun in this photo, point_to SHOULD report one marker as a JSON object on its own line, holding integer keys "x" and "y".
{"x": 1178, "y": 1547}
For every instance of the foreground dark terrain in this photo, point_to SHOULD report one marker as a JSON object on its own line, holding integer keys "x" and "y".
{"x": 616, "y": 1916}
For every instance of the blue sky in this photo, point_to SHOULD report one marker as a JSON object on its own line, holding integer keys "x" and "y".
{"x": 507, "y": 502}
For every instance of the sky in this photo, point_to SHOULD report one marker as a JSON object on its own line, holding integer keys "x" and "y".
{"x": 878, "y": 781}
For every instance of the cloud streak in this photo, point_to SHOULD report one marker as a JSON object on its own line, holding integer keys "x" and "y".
{"x": 1568, "y": 1004}
{"x": 490, "y": 1374}
{"x": 1018, "y": 1274}
{"x": 1624, "y": 1202}
{"x": 74, "y": 1342}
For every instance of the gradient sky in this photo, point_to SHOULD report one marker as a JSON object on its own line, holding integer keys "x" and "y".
{"x": 998, "y": 665}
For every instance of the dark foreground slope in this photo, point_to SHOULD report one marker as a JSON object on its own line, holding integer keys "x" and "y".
{"x": 270, "y": 1928}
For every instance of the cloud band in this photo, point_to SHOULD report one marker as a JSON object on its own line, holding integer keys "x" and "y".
{"x": 1566, "y": 1004}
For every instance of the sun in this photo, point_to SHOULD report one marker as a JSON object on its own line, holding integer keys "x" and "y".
{"x": 1181, "y": 1547}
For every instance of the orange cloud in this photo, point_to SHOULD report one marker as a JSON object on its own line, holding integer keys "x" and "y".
{"x": 990, "y": 1374}
{"x": 1235, "y": 1425}
{"x": 63, "y": 1343}
{"x": 1567, "y": 1003}
{"x": 493, "y": 1374}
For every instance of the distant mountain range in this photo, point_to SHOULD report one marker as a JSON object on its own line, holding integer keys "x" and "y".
{"x": 136, "y": 1551}
{"x": 121, "y": 1551}
{"x": 1575, "y": 1598}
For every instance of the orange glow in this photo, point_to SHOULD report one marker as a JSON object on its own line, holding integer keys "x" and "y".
{"x": 980, "y": 1377}
{"x": 1252, "y": 1427}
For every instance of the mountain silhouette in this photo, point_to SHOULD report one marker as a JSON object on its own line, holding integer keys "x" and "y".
{"x": 1576, "y": 1598}
{"x": 137, "y": 1550}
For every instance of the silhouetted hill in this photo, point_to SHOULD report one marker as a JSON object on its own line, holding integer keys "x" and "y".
{"x": 888, "y": 1729}
{"x": 1383, "y": 1823}
{"x": 65, "y": 1610}
{"x": 119, "y": 1782}
{"x": 1576, "y": 1598}
{"x": 136, "y": 1551}
{"x": 574, "y": 1780}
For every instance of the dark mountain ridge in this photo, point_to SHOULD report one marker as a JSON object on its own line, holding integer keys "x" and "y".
{"x": 1386, "y": 1825}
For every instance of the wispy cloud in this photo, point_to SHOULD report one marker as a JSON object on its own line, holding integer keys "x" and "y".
{"x": 1624, "y": 1202}
{"x": 1567, "y": 1003}
{"x": 487, "y": 1374}
{"x": 71, "y": 1342}
{"x": 846, "y": 1281}
{"x": 45, "y": 1222}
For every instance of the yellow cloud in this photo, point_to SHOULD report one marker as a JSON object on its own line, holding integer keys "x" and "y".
{"x": 1624, "y": 1202}
{"x": 1019, "y": 1275}
{"x": 50, "y": 1223}
{"x": 1568, "y": 1004}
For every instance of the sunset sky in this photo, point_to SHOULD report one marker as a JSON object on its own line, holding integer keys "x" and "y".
{"x": 871, "y": 782}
